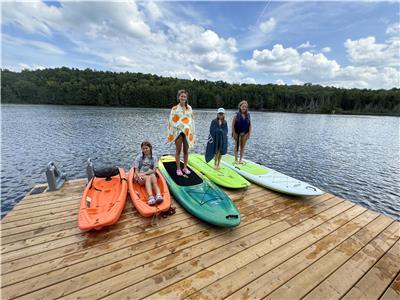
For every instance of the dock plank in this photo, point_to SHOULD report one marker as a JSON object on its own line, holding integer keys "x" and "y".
{"x": 374, "y": 283}
{"x": 298, "y": 286}
{"x": 136, "y": 282}
{"x": 147, "y": 266}
{"x": 237, "y": 263}
{"x": 261, "y": 272}
{"x": 284, "y": 247}
{"x": 342, "y": 280}
{"x": 112, "y": 246}
{"x": 60, "y": 239}
{"x": 393, "y": 291}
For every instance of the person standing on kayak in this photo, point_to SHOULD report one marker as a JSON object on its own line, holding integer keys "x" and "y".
{"x": 181, "y": 130}
{"x": 241, "y": 129}
{"x": 217, "y": 144}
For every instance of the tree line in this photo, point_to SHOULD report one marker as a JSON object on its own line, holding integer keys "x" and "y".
{"x": 89, "y": 87}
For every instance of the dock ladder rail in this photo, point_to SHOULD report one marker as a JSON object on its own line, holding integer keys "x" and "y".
{"x": 55, "y": 178}
{"x": 89, "y": 169}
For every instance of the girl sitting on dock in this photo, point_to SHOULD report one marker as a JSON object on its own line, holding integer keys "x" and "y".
{"x": 217, "y": 144}
{"x": 241, "y": 129}
{"x": 145, "y": 166}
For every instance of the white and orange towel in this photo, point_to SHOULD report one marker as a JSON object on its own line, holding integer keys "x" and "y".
{"x": 181, "y": 121}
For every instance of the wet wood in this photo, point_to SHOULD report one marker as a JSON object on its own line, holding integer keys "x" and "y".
{"x": 285, "y": 247}
{"x": 381, "y": 275}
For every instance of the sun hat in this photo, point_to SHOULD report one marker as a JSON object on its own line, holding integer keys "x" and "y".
{"x": 221, "y": 110}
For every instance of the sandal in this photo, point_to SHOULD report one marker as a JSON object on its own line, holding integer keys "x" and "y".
{"x": 171, "y": 211}
{"x": 159, "y": 199}
{"x": 151, "y": 200}
{"x": 179, "y": 172}
{"x": 186, "y": 171}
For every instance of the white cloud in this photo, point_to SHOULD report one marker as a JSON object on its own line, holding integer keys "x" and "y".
{"x": 249, "y": 80}
{"x": 277, "y": 61}
{"x": 123, "y": 36}
{"x": 326, "y": 50}
{"x": 306, "y": 45}
{"x": 153, "y": 11}
{"x": 268, "y": 26}
{"x": 30, "y": 16}
{"x": 366, "y": 52}
{"x": 279, "y": 82}
{"x": 393, "y": 29}
{"x": 22, "y": 66}
{"x": 157, "y": 37}
{"x": 316, "y": 68}
{"x": 33, "y": 45}
{"x": 297, "y": 82}
{"x": 289, "y": 61}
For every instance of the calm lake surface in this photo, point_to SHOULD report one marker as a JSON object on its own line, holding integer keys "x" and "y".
{"x": 355, "y": 157}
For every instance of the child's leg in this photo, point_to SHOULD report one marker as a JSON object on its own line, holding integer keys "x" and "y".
{"x": 155, "y": 185}
{"x": 219, "y": 158}
{"x": 148, "y": 185}
{"x": 215, "y": 159}
{"x": 236, "y": 148}
{"x": 185, "y": 152}
{"x": 178, "y": 144}
{"x": 243, "y": 141}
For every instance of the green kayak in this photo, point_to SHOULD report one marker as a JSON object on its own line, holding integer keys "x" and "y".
{"x": 199, "y": 196}
{"x": 225, "y": 176}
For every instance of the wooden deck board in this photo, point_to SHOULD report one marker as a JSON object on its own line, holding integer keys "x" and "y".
{"x": 92, "y": 252}
{"x": 285, "y": 247}
{"x": 374, "y": 283}
{"x": 393, "y": 291}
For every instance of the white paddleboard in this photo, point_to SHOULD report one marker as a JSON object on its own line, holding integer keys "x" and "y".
{"x": 270, "y": 178}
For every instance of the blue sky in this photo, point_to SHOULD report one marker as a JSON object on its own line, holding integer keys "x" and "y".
{"x": 346, "y": 44}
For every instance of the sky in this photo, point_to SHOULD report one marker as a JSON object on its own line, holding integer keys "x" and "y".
{"x": 343, "y": 44}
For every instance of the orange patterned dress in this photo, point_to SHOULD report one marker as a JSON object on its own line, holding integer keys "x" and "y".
{"x": 181, "y": 121}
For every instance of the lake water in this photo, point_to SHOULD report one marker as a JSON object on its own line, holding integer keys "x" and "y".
{"x": 355, "y": 157}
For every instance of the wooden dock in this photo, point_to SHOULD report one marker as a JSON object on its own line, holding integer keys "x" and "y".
{"x": 320, "y": 247}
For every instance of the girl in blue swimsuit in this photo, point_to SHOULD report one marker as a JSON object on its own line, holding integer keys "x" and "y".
{"x": 241, "y": 129}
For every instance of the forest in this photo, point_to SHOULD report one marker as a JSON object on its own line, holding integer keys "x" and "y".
{"x": 65, "y": 86}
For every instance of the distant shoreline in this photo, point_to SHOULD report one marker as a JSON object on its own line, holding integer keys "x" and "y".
{"x": 64, "y": 86}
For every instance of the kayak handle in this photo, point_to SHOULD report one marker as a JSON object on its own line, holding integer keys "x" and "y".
{"x": 311, "y": 188}
{"x": 232, "y": 217}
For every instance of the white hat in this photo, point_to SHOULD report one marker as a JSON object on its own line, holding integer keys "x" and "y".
{"x": 221, "y": 110}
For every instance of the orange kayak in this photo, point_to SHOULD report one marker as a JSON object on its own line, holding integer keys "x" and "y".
{"x": 139, "y": 196}
{"x": 103, "y": 201}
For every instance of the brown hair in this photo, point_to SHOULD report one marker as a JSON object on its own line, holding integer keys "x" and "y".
{"x": 222, "y": 120}
{"x": 180, "y": 92}
{"x": 146, "y": 143}
{"x": 241, "y": 103}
